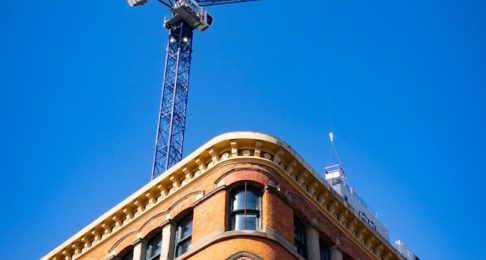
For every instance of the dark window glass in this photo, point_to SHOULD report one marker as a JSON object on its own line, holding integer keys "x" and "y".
{"x": 183, "y": 235}
{"x": 299, "y": 238}
{"x": 153, "y": 248}
{"x": 325, "y": 250}
{"x": 347, "y": 257}
{"x": 245, "y": 208}
{"x": 128, "y": 255}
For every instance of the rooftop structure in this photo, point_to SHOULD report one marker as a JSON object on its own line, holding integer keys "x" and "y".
{"x": 405, "y": 251}
{"x": 335, "y": 176}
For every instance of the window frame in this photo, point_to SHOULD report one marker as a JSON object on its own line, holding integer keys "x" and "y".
{"x": 182, "y": 241}
{"x": 324, "y": 249}
{"x": 300, "y": 242}
{"x": 150, "y": 244}
{"x": 245, "y": 211}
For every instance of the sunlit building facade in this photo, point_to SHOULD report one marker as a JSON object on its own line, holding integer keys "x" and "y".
{"x": 240, "y": 196}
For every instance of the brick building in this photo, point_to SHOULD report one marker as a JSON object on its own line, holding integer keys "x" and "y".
{"x": 240, "y": 196}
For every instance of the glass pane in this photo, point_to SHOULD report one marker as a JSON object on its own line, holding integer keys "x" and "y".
{"x": 248, "y": 223}
{"x": 299, "y": 237}
{"x": 239, "y": 200}
{"x": 251, "y": 200}
{"x": 251, "y": 222}
{"x": 186, "y": 229}
{"x": 301, "y": 249}
{"x": 299, "y": 231}
{"x": 296, "y": 232}
{"x": 239, "y": 223}
{"x": 325, "y": 251}
{"x": 182, "y": 247}
{"x": 153, "y": 248}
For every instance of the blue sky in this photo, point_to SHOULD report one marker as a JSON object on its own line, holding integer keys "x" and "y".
{"x": 401, "y": 83}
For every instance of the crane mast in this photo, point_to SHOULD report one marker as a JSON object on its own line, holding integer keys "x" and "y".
{"x": 187, "y": 15}
{"x": 173, "y": 105}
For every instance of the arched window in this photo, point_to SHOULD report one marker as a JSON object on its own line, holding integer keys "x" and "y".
{"x": 183, "y": 235}
{"x": 245, "y": 208}
{"x": 153, "y": 247}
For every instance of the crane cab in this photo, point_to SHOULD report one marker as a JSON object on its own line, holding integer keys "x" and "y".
{"x": 191, "y": 13}
{"x": 206, "y": 20}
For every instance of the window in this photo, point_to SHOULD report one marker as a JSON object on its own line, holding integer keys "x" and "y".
{"x": 183, "y": 235}
{"x": 153, "y": 248}
{"x": 245, "y": 208}
{"x": 300, "y": 238}
{"x": 128, "y": 255}
{"x": 325, "y": 250}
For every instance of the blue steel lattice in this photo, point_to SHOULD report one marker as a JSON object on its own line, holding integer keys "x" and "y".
{"x": 173, "y": 105}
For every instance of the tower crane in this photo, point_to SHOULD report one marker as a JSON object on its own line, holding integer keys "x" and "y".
{"x": 187, "y": 15}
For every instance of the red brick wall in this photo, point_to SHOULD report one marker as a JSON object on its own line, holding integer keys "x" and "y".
{"x": 209, "y": 216}
{"x": 278, "y": 215}
{"x": 266, "y": 249}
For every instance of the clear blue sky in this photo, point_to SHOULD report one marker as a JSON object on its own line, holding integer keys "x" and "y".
{"x": 401, "y": 83}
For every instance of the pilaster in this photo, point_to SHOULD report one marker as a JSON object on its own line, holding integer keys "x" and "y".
{"x": 168, "y": 237}
{"x": 313, "y": 250}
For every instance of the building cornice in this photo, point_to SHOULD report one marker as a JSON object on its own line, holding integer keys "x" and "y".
{"x": 246, "y": 146}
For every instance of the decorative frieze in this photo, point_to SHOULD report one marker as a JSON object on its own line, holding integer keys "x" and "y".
{"x": 267, "y": 156}
{"x": 214, "y": 157}
{"x": 118, "y": 222}
{"x": 86, "y": 243}
{"x": 106, "y": 229}
{"x": 234, "y": 149}
{"x": 140, "y": 207}
{"x": 128, "y": 214}
{"x": 76, "y": 249}
{"x": 68, "y": 255}
{"x": 277, "y": 157}
{"x": 201, "y": 165}
{"x": 96, "y": 235}
{"x": 258, "y": 147}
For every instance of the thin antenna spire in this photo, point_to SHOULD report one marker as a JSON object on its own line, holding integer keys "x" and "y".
{"x": 333, "y": 147}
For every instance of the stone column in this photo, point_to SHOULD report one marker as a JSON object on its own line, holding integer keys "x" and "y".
{"x": 139, "y": 249}
{"x": 336, "y": 253}
{"x": 168, "y": 238}
{"x": 313, "y": 250}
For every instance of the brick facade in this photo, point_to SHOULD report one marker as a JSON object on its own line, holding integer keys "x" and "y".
{"x": 201, "y": 185}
